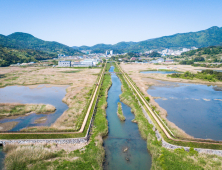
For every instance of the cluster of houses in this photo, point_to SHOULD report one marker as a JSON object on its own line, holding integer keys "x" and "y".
{"x": 84, "y": 63}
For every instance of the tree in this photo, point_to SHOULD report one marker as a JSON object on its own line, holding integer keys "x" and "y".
{"x": 154, "y": 54}
{"x": 199, "y": 59}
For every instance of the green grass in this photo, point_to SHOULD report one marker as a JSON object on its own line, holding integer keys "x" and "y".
{"x": 71, "y": 71}
{"x": 207, "y": 75}
{"x": 120, "y": 112}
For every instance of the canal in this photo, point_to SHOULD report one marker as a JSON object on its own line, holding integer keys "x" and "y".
{"x": 124, "y": 147}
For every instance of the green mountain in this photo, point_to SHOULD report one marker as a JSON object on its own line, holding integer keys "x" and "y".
{"x": 21, "y": 40}
{"x": 208, "y": 54}
{"x": 204, "y": 38}
{"x": 10, "y": 56}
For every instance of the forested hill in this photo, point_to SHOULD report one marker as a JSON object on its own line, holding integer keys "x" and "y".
{"x": 21, "y": 40}
{"x": 12, "y": 56}
{"x": 204, "y": 38}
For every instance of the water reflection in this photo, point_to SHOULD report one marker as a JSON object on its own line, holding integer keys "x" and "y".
{"x": 197, "y": 109}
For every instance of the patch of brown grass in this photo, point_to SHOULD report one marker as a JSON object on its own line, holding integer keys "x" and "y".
{"x": 16, "y": 109}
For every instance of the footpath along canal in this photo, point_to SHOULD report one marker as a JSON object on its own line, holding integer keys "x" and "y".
{"x": 124, "y": 147}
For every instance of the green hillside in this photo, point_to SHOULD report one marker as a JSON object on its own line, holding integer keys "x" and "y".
{"x": 21, "y": 40}
{"x": 12, "y": 56}
{"x": 204, "y": 38}
{"x": 208, "y": 54}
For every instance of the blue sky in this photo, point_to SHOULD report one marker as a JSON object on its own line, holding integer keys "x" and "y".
{"x": 89, "y": 22}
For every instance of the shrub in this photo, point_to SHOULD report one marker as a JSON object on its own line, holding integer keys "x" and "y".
{"x": 147, "y": 98}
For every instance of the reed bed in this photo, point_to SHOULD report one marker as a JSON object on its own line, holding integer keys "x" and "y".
{"x": 120, "y": 112}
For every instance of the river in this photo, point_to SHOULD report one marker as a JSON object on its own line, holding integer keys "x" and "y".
{"x": 123, "y": 135}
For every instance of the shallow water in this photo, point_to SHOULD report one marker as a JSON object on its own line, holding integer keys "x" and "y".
{"x": 41, "y": 94}
{"x": 123, "y": 135}
{"x": 197, "y": 109}
{"x": 159, "y": 72}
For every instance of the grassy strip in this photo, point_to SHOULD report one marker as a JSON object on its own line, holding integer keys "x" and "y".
{"x": 81, "y": 118}
{"x": 207, "y": 75}
{"x": 163, "y": 158}
{"x": 11, "y": 109}
{"x": 40, "y": 136}
{"x": 120, "y": 112}
{"x": 89, "y": 157}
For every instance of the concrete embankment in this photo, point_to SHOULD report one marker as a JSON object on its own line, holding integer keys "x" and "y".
{"x": 43, "y": 141}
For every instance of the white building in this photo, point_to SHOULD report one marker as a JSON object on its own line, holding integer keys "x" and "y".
{"x": 64, "y": 63}
{"x": 111, "y": 52}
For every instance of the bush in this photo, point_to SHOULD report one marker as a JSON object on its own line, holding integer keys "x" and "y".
{"x": 199, "y": 59}
{"x": 192, "y": 152}
{"x": 190, "y": 62}
{"x": 147, "y": 99}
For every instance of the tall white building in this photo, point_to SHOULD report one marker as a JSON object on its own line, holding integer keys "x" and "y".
{"x": 111, "y": 52}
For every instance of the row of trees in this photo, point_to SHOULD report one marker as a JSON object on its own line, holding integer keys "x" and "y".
{"x": 209, "y": 75}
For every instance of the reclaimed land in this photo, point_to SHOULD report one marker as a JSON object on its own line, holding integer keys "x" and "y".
{"x": 81, "y": 81}
{"x": 57, "y": 156}
{"x": 163, "y": 158}
{"x": 120, "y": 112}
{"x": 144, "y": 81}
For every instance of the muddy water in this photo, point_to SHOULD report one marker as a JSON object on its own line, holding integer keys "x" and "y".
{"x": 41, "y": 94}
{"x": 123, "y": 135}
{"x": 195, "y": 108}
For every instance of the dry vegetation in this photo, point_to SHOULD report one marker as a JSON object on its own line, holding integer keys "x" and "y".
{"x": 18, "y": 109}
{"x": 29, "y": 156}
{"x": 81, "y": 82}
{"x": 144, "y": 81}
{"x": 7, "y": 125}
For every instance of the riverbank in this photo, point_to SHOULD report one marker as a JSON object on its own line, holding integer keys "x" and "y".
{"x": 89, "y": 156}
{"x": 163, "y": 158}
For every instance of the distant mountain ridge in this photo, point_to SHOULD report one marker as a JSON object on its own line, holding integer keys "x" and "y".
{"x": 19, "y": 40}
{"x": 209, "y": 37}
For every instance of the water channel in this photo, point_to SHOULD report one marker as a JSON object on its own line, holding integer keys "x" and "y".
{"x": 123, "y": 135}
